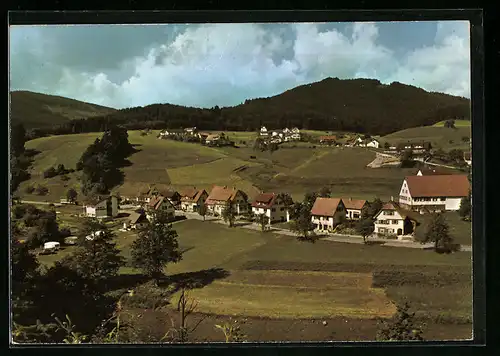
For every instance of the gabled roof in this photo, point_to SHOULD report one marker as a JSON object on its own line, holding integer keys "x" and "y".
{"x": 222, "y": 194}
{"x": 325, "y": 206}
{"x": 356, "y": 204}
{"x": 169, "y": 194}
{"x": 391, "y": 205}
{"x": 135, "y": 218}
{"x": 451, "y": 185}
{"x": 157, "y": 201}
{"x": 192, "y": 194}
{"x": 264, "y": 200}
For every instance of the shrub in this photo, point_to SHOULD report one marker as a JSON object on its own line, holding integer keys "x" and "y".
{"x": 29, "y": 189}
{"x": 147, "y": 296}
{"x": 49, "y": 173}
{"x": 41, "y": 190}
{"x": 64, "y": 232}
{"x": 65, "y": 178}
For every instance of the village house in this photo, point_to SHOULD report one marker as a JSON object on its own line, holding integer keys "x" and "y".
{"x": 192, "y": 199}
{"x": 272, "y": 206}
{"x": 166, "y": 133}
{"x": 191, "y": 131}
{"x": 468, "y": 158}
{"x": 394, "y": 220}
{"x": 353, "y": 207}
{"x": 160, "y": 203}
{"x": 212, "y": 139}
{"x": 220, "y": 197}
{"x": 136, "y": 221}
{"x": 327, "y": 140}
{"x": 433, "y": 192}
{"x": 173, "y": 196}
{"x": 263, "y": 131}
{"x": 203, "y": 135}
{"x": 372, "y": 143}
{"x": 355, "y": 142}
{"x": 101, "y": 207}
{"x": 415, "y": 147}
{"x": 295, "y": 134}
{"x": 327, "y": 212}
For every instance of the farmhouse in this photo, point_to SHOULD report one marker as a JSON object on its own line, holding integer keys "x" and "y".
{"x": 136, "y": 221}
{"x": 353, "y": 207}
{"x": 173, "y": 196}
{"x": 263, "y": 131}
{"x": 372, "y": 143}
{"x": 327, "y": 212}
{"x": 327, "y": 139}
{"x": 101, "y": 207}
{"x": 190, "y": 131}
{"x": 355, "y": 142}
{"x": 433, "y": 192}
{"x": 160, "y": 203}
{"x": 272, "y": 206}
{"x": 393, "y": 220}
{"x": 220, "y": 197}
{"x": 468, "y": 158}
{"x": 212, "y": 139}
{"x": 192, "y": 199}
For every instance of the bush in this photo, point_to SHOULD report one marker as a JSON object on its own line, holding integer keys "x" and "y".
{"x": 29, "y": 189}
{"x": 64, "y": 232}
{"x": 41, "y": 190}
{"x": 65, "y": 178}
{"x": 49, "y": 173}
{"x": 147, "y": 296}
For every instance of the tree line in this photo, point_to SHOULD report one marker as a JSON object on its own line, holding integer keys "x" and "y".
{"x": 364, "y": 106}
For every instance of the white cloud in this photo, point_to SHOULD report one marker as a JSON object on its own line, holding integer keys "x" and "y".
{"x": 224, "y": 64}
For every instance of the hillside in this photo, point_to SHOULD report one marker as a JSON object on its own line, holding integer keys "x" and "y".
{"x": 37, "y": 110}
{"x": 359, "y": 105}
{"x": 439, "y": 137}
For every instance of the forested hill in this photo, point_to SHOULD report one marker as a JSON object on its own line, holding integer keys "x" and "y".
{"x": 361, "y": 105}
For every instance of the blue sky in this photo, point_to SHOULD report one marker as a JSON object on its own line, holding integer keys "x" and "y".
{"x": 204, "y": 65}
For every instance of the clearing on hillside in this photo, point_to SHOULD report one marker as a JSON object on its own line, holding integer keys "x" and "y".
{"x": 439, "y": 137}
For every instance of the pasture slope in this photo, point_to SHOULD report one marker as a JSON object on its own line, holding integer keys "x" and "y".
{"x": 438, "y": 136}
{"x": 278, "y": 283}
{"x": 296, "y": 170}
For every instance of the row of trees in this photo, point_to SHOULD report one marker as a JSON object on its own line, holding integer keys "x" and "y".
{"x": 101, "y": 161}
{"x": 20, "y": 160}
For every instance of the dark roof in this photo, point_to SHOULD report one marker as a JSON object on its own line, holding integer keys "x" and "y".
{"x": 356, "y": 204}
{"x": 264, "y": 200}
{"x": 451, "y": 185}
{"x": 325, "y": 206}
{"x": 170, "y": 194}
{"x": 135, "y": 218}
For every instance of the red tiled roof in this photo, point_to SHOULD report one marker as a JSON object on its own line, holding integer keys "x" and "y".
{"x": 327, "y": 138}
{"x": 452, "y": 185}
{"x": 192, "y": 194}
{"x": 156, "y": 202}
{"x": 221, "y": 194}
{"x": 391, "y": 205}
{"x": 325, "y": 206}
{"x": 264, "y": 200}
{"x": 356, "y": 204}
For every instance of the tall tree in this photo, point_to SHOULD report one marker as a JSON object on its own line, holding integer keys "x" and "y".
{"x": 372, "y": 208}
{"x": 263, "y": 221}
{"x": 365, "y": 228}
{"x": 402, "y": 327}
{"x": 156, "y": 246}
{"x": 465, "y": 210}
{"x": 309, "y": 199}
{"x": 301, "y": 223}
{"x": 229, "y": 215}
{"x": 202, "y": 211}
{"x": 97, "y": 258}
{"x": 325, "y": 192}
{"x": 17, "y": 139}
{"x": 438, "y": 233}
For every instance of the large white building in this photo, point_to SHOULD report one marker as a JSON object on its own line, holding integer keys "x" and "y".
{"x": 272, "y": 206}
{"x": 433, "y": 192}
{"x": 220, "y": 197}
{"x": 101, "y": 207}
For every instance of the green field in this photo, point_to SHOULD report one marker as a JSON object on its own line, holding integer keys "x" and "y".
{"x": 458, "y": 123}
{"x": 439, "y": 137}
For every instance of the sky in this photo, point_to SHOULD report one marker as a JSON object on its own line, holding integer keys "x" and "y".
{"x": 203, "y": 65}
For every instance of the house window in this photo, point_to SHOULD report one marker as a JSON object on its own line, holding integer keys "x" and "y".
{"x": 273, "y": 210}
{"x": 388, "y": 212}
{"x": 443, "y": 199}
{"x": 395, "y": 221}
{"x": 282, "y": 209}
{"x": 381, "y": 230}
{"x": 356, "y": 215}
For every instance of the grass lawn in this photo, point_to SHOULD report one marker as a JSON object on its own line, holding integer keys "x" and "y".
{"x": 442, "y": 137}
{"x": 460, "y": 230}
{"x": 458, "y": 123}
{"x": 301, "y": 297}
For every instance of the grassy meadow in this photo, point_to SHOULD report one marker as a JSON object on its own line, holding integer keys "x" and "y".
{"x": 438, "y": 136}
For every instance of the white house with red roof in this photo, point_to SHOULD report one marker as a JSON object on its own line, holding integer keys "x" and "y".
{"x": 192, "y": 199}
{"x": 434, "y": 192}
{"x": 353, "y": 207}
{"x": 393, "y": 220}
{"x": 160, "y": 203}
{"x": 326, "y": 213}
{"x": 272, "y": 206}
{"x": 220, "y": 197}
